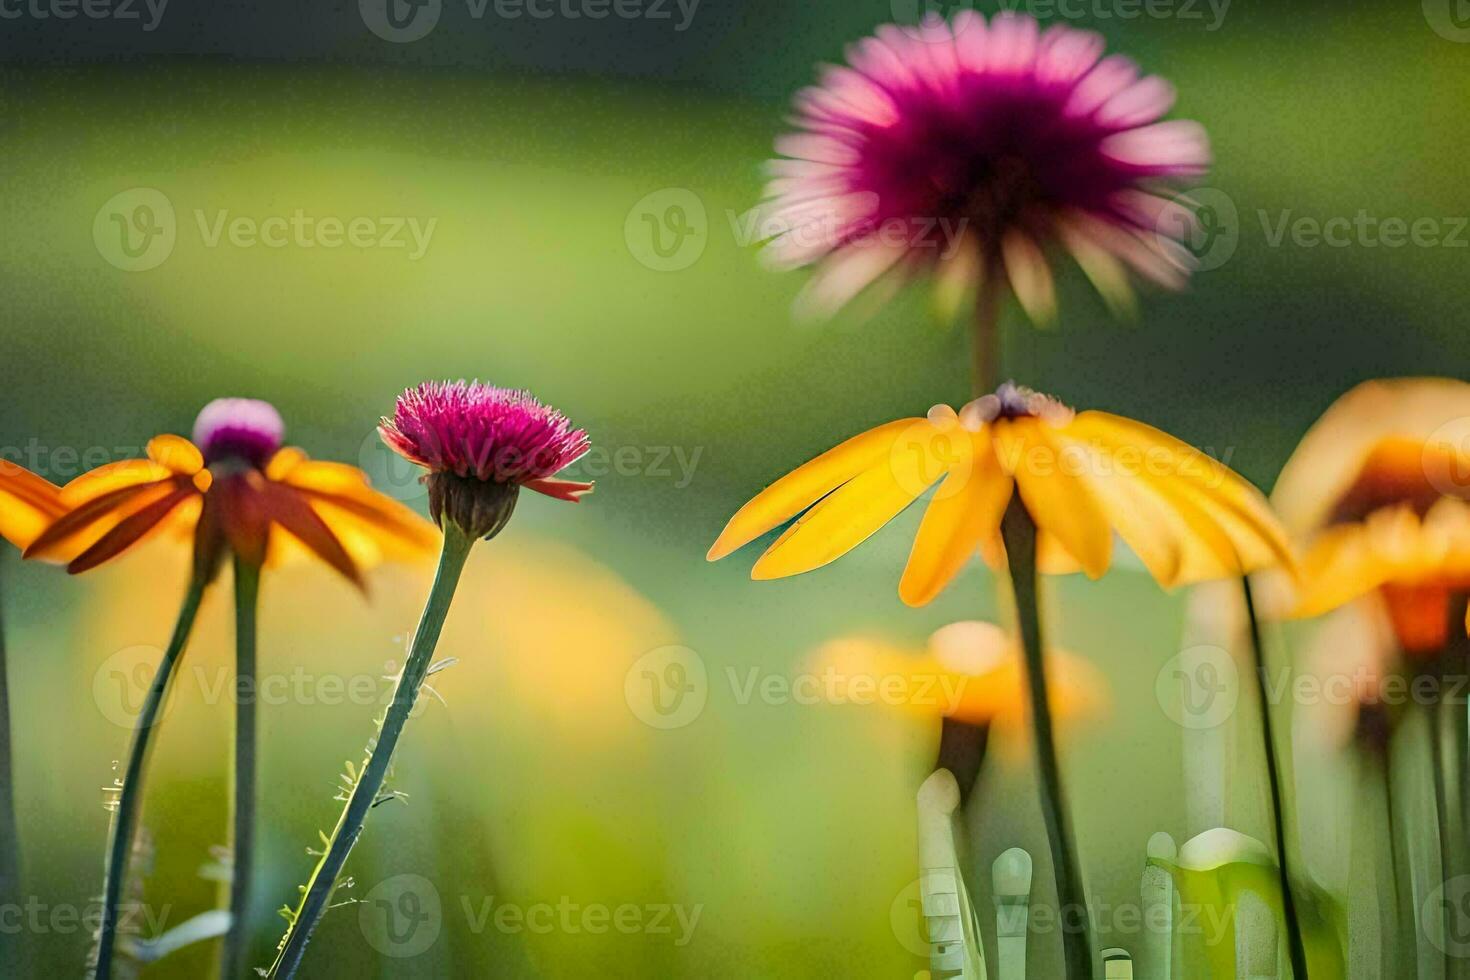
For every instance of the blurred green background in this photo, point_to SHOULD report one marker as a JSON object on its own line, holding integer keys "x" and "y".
{"x": 533, "y": 146}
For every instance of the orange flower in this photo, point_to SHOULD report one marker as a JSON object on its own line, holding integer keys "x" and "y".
{"x": 27, "y": 504}
{"x": 232, "y": 494}
{"x": 1081, "y": 476}
{"x": 1377, "y": 491}
{"x": 970, "y": 671}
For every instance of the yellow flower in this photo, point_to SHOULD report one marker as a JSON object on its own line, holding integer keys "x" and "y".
{"x": 1081, "y": 477}
{"x": 27, "y": 504}
{"x": 1377, "y": 493}
{"x": 969, "y": 671}
{"x": 242, "y": 492}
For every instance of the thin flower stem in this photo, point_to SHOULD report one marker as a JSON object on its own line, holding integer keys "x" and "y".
{"x": 962, "y": 751}
{"x": 375, "y": 767}
{"x": 130, "y": 800}
{"x": 1398, "y": 931}
{"x": 1294, "y": 945}
{"x": 985, "y": 350}
{"x": 1019, "y": 533}
{"x": 9, "y": 830}
{"x": 242, "y": 841}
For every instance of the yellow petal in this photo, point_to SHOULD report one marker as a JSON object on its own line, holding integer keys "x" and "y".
{"x": 110, "y": 477}
{"x": 964, "y": 513}
{"x": 1056, "y": 497}
{"x": 1173, "y": 465}
{"x": 851, "y": 514}
{"x": 808, "y": 483}
{"x": 176, "y": 454}
{"x": 286, "y": 460}
{"x": 1339, "y": 567}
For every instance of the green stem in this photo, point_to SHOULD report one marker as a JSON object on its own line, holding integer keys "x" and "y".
{"x": 242, "y": 842}
{"x": 985, "y": 350}
{"x": 1294, "y": 945}
{"x": 9, "y": 830}
{"x": 1019, "y": 533}
{"x": 375, "y": 767}
{"x": 130, "y": 800}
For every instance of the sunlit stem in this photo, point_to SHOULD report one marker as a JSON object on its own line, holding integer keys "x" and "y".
{"x": 1019, "y": 532}
{"x": 242, "y": 841}
{"x": 369, "y": 783}
{"x": 1294, "y": 945}
{"x": 130, "y": 800}
{"x": 9, "y": 831}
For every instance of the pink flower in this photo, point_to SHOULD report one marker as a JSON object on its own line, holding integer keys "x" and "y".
{"x": 968, "y": 149}
{"x": 481, "y": 444}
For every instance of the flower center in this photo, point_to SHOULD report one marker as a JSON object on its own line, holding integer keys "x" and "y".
{"x": 1400, "y": 470}
{"x": 244, "y": 429}
{"x": 1013, "y": 401}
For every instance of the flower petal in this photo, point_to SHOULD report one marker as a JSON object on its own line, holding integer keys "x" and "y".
{"x": 965, "y": 512}
{"x": 288, "y": 507}
{"x": 851, "y": 514}
{"x": 176, "y": 454}
{"x": 808, "y": 483}
{"x": 78, "y": 529}
{"x": 131, "y": 530}
{"x": 1056, "y": 497}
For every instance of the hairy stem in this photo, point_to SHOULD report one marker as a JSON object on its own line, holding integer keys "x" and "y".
{"x": 1294, "y": 945}
{"x": 1019, "y": 532}
{"x": 130, "y": 800}
{"x": 375, "y": 767}
{"x": 242, "y": 840}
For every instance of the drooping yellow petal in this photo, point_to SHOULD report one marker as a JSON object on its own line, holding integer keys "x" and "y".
{"x": 1056, "y": 497}
{"x": 28, "y": 504}
{"x": 852, "y": 513}
{"x": 1339, "y": 567}
{"x": 112, "y": 476}
{"x": 1171, "y": 464}
{"x": 808, "y": 483}
{"x": 964, "y": 513}
{"x": 176, "y": 454}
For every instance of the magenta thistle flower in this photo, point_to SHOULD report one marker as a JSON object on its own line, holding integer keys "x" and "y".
{"x": 969, "y": 149}
{"x": 481, "y": 444}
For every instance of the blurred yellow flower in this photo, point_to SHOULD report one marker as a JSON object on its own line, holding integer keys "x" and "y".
{"x": 1081, "y": 477}
{"x": 27, "y": 504}
{"x": 969, "y": 671}
{"x": 1377, "y": 492}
